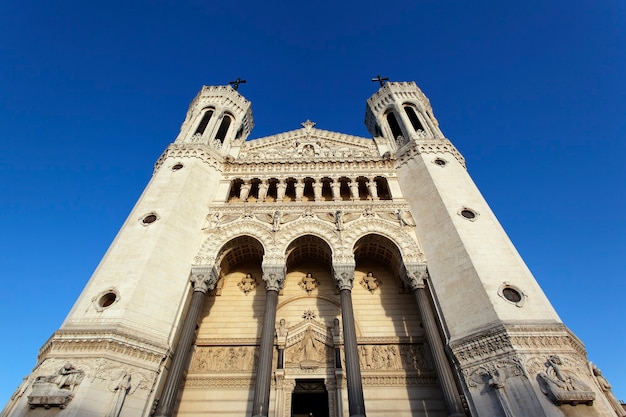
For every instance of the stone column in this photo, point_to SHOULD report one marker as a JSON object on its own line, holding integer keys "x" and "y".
{"x": 415, "y": 276}
{"x": 203, "y": 279}
{"x": 274, "y": 276}
{"x": 344, "y": 274}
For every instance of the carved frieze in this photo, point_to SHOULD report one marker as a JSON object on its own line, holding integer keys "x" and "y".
{"x": 209, "y": 359}
{"x": 494, "y": 372}
{"x": 405, "y": 357}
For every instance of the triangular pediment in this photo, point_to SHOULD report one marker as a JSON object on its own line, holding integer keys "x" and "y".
{"x": 308, "y": 143}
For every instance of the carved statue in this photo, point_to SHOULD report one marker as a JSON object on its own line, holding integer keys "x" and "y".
{"x": 247, "y": 283}
{"x": 309, "y": 353}
{"x": 121, "y": 390}
{"x": 282, "y": 328}
{"x": 308, "y": 283}
{"x": 339, "y": 219}
{"x": 56, "y": 390}
{"x": 606, "y": 390}
{"x": 276, "y": 217}
{"x": 370, "y": 282}
{"x": 563, "y": 387}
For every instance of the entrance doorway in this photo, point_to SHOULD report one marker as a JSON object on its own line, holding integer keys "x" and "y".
{"x": 309, "y": 399}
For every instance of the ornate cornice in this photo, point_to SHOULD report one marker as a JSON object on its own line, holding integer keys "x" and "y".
{"x": 86, "y": 343}
{"x": 202, "y": 152}
{"x": 509, "y": 338}
{"x": 427, "y": 146}
{"x": 232, "y": 381}
{"x": 400, "y": 380}
{"x": 365, "y": 167}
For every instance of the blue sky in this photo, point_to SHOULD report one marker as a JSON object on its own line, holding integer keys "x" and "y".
{"x": 532, "y": 94}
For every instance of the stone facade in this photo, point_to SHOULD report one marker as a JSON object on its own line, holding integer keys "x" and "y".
{"x": 312, "y": 271}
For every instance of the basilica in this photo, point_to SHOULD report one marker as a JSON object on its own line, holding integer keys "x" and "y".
{"x": 312, "y": 273}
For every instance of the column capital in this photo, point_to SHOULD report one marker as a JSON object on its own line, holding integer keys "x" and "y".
{"x": 203, "y": 278}
{"x": 274, "y": 277}
{"x": 344, "y": 275}
{"x": 415, "y": 275}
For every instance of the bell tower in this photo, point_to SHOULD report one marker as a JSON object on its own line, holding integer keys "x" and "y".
{"x": 219, "y": 117}
{"x": 494, "y": 315}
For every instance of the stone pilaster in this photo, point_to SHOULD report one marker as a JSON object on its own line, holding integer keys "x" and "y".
{"x": 203, "y": 279}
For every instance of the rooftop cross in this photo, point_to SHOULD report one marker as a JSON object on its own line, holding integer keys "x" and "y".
{"x": 236, "y": 83}
{"x": 380, "y": 79}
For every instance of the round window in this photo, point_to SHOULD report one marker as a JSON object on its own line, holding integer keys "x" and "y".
{"x": 107, "y": 299}
{"x": 150, "y": 218}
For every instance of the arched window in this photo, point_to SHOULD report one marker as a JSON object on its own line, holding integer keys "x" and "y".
{"x": 415, "y": 121}
{"x": 204, "y": 122}
{"x": 393, "y": 125}
{"x": 221, "y": 132}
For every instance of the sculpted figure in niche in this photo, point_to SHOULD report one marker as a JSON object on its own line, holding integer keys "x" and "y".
{"x": 282, "y": 328}
{"x": 606, "y": 389}
{"x": 563, "y": 387}
{"x": 370, "y": 282}
{"x": 310, "y": 352}
{"x": 339, "y": 219}
{"x": 247, "y": 283}
{"x": 308, "y": 283}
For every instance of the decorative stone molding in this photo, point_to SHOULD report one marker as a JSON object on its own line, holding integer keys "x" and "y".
{"x": 494, "y": 372}
{"x": 223, "y": 359}
{"x": 399, "y": 380}
{"x": 344, "y": 275}
{"x": 308, "y": 143}
{"x": 231, "y": 381}
{"x": 190, "y": 151}
{"x": 415, "y": 275}
{"x": 100, "y": 343}
{"x": 428, "y": 146}
{"x": 203, "y": 278}
{"x": 405, "y": 358}
{"x": 274, "y": 277}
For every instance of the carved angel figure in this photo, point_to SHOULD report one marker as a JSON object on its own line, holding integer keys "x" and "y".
{"x": 247, "y": 283}
{"x": 308, "y": 283}
{"x": 561, "y": 386}
{"x": 370, "y": 282}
